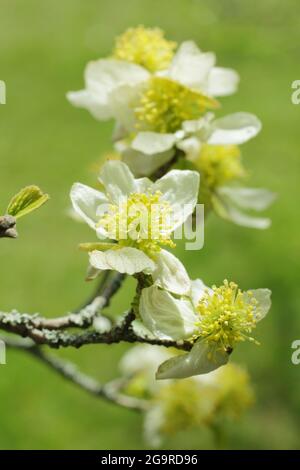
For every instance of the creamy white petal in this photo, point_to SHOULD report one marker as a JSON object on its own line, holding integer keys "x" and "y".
{"x": 190, "y": 127}
{"x": 124, "y": 260}
{"x": 140, "y": 329}
{"x": 118, "y": 83}
{"x": 191, "y": 67}
{"x": 95, "y": 103}
{"x": 122, "y": 102}
{"x": 228, "y": 210}
{"x": 165, "y": 316}
{"x": 198, "y": 288}
{"x": 143, "y": 357}
{"x": 105, "y": 75}
{"x": 201, "y": 125}
{"x": 249, "y": 198}
{"x": 235, "y": 129}
{"x": 102, "y": 78}
{"x": 86, "y": 202}
{"x": 143, "y": 185}
{"x": 117, "y": 179}
{"x": 191, "y": 147}
{"x": 171, "y": 274}
{"x": 263, "y": 297}
{"x": 151, "y": 142}
{"x": 246, "y": 220}
{"x": 222, "y": 81}
{"x": 195, "y": 362}
{"x": 142, "y": 164}
{"x": 180, "y": 188}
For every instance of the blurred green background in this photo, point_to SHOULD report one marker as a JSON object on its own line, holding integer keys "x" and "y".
{"x": 44, "y": 47}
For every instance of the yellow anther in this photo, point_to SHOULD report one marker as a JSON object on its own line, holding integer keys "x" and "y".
{"x": 218, "y": 165}
{"x": 142, "y": 220}
{"x": 226, "y": 316}
{"x": 146, "y": 47}
{"x": 165, "y": 104}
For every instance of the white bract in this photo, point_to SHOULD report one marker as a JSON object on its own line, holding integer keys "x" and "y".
{"x": 214, "y": 320}
{"x": 134, "y": 218}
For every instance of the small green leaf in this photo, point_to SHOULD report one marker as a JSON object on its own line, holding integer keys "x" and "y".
{"x": 99, "y": 246}
{"x": 26, "y": 201}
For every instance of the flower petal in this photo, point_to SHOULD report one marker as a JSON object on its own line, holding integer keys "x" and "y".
{"x": 122, "y": 101}
{"x": 102, "y": 78}
{"x": 86, "y": 202}
{"x": 263, "y": 297}
{"x": 235, "y": 129}
{"x": 197, "y": 290}
{"x": 171, "y": 274}
{"x": 96, "y": 104}
{"x": 142, "y": 164}
{"x": 151, "y": 142}
{"x": 191, "y": 147}
{"x": 200, "y": 360}
{"x": 249, "y": 198}
{"x": 143, "y": 185}
{"x": 105, "y": 75}
{"x": 143, "y": 358}
{"x": 191, "y": 67}
{"x": 124, "y": 260}
{"x": 117, "y": 179}
{"x": 228, "y": 210}
{"x": 180, "y": 188}
{"x": 222, "y": 81}
{"x": 165, "y": 316}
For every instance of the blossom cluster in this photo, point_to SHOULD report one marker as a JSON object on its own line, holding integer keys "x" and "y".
{"x": 173, "y": 153}
{"x": 203, "y": 401}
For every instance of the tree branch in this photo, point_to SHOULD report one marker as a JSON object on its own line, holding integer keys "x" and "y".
{"x": 25, "y": 324}
{"x": 104, "y": 288}
{"x": 8, "y": 227}
{"x": 69, "y": 371}
{"x": 34, "y": 328}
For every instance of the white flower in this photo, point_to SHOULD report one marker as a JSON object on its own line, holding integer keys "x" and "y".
{"x": 214, "y": 320}
{"x": 110, "y": 87}
{"x": 198, "y": 401}
{"x": 111, "y": 83}
{"x": 149, "y": 150}
{"x": 154, "y": 105}
{"x": 131, "y": 240}
{"x": 213, "y": 151}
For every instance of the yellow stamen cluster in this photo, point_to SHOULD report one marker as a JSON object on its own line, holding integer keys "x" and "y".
{"x": 191, "y": 402}
{"x": 165, "y": 104}
{"x": 146, "y": 47}
{"x": 227, "y": 316}
{"x": 219, "y": 164}
{"x": 235, "y": 391}
{"x": 141, "y": 221}
{"x": 186, "y": 404}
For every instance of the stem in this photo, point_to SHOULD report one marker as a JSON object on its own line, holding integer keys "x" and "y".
{"x": 8, "y": 227}
{"x": 69, "y": 371}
